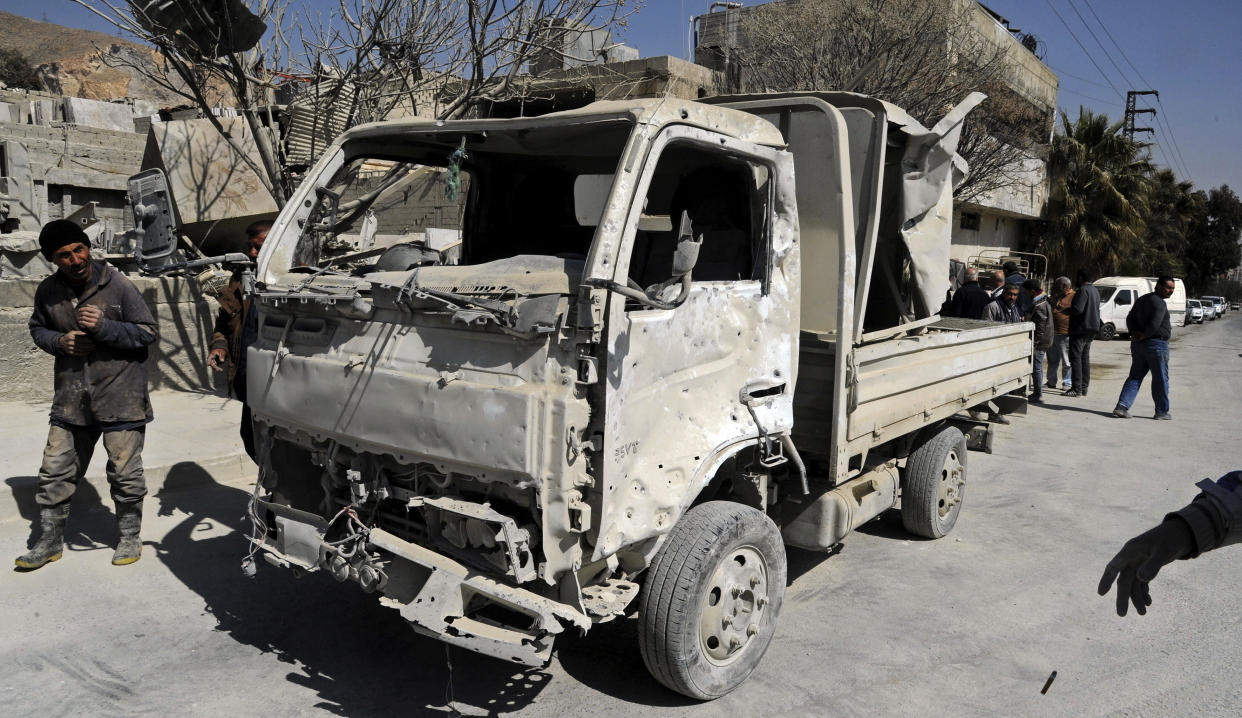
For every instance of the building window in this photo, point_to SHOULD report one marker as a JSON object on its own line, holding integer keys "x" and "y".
{"x": 970, "y": 220}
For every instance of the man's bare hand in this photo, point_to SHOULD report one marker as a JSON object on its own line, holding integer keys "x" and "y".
{"x": 76, "y": 343}
{"x": 216, "y": 359}
{"x": 1138, "y": 562}
{"x": 89, "y": 317}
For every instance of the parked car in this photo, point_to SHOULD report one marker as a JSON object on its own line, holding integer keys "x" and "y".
{"x": 1235, "y": 306}
{"x": 1118, "y": 295}
{"x": 1194, "y": 312}
{"x": 1209, "y": 307}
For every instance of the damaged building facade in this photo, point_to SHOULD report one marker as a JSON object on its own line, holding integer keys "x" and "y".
{"x": 71, "y": 158}
{"x": 995, "y": 222}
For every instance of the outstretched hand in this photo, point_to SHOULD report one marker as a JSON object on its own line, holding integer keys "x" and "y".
{"x": 1140, "y": 560}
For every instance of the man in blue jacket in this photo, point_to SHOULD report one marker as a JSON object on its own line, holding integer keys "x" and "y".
{"x": 1150, "y": 331}
{"x": 94, "y": 321}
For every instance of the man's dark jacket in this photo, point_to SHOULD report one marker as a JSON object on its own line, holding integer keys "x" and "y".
{"x": 1084, "y": 311}
{"x": 1041, "y": 315}
{"x": 1150, "y": 317}
{"x": 969, "y": 301}
{"x": 107, "y": 387}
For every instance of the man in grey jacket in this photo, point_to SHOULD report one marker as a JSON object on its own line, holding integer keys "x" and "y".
{"x": 1212, "y": 520}
{"x": 94, "y": 321}
{"x": 1041, "y": 314}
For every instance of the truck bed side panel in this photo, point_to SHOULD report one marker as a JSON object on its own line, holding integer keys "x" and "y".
{"x": 919, "y": 379}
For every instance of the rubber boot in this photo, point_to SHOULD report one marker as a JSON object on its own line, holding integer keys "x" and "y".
{"x": 51, "y": 543}
{"x": 128, "y": 523}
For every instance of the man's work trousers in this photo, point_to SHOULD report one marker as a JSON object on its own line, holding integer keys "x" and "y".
{"x": 68, "y": 453}
{"x": 1149, "y": 355}
{"x": 1037, "y": 372}
{"x": 1080, "y": 361}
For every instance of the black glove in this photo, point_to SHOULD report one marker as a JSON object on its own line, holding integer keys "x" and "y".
{"x": 1138, "y": 562}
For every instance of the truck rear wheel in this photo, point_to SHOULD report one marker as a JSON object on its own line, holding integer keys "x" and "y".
{"x": 1107, "y": 332}
{"x": 934, "y": 483}
{"x": 710, "y": 600}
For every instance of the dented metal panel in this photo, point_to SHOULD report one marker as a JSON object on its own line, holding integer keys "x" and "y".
{"x": 674, "y": 378}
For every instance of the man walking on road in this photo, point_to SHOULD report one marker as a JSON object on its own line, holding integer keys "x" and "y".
{"x": 1084, "y": 314}
{"x": 1150, "y": 331}
{"x": 94, "y": 321}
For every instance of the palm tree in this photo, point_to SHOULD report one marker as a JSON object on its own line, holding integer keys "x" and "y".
{"x": 1172, "y": 206}
{"x": 1099, "y": 195}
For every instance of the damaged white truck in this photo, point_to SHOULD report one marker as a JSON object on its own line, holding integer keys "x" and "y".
{"x": 660, "y": 340}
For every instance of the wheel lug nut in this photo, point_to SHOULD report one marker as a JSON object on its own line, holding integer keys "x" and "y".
{"x": 726, "y": 622}
{"x": 754, "y": 581}
{"x": 736, "y": 591}
{"x": 734, "y": 643}
{"x": 752, "y": 629}
{"x": 761, "y": 601}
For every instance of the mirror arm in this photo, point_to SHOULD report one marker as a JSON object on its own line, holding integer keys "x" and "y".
{"x": 640, "y": 296}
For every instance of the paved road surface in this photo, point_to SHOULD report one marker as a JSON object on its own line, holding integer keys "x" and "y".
{"x": 970, "y": 625}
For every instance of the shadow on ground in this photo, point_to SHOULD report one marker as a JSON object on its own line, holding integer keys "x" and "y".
{"x": 360, "y": 658}
{"x": 91, "y": 526}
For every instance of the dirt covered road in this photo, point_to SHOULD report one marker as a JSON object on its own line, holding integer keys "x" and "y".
{"x": 970, "y": 625}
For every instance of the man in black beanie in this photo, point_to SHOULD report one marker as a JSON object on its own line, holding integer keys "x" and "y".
{"x": 94, "y": 321}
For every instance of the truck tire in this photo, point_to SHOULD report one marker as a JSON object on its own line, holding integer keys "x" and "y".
{"x": 934, "y": 483}
{"x": 709, "y": 602}
{"x": 1107, "y": 332}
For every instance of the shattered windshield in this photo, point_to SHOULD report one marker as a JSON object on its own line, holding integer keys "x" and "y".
{"x": 462, "y": 198}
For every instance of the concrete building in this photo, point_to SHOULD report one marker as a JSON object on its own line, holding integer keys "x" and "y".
{"x": 70, "y": 158}
{"x": 995, "y": 222}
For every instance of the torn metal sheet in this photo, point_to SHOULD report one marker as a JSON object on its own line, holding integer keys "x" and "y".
{"x": 932, "y": 168}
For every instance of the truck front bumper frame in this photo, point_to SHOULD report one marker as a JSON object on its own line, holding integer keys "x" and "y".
{"x": 439, "y": 596}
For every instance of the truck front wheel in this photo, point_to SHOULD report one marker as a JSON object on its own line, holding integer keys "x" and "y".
{"x": 710, "y": 600}
{"x": 934, "y": 483}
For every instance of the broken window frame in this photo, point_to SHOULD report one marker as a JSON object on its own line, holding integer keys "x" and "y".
{"x": 726, "y": 148}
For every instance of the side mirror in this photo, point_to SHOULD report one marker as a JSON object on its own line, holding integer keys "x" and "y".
{"x": 687, "y": 253}
{"x": 155, "y": 225}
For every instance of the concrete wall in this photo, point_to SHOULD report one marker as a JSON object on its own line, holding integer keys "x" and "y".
{"x": 996, "y": 231}
{"x": 71, "y": 166}
{"x": 177, "y": 360}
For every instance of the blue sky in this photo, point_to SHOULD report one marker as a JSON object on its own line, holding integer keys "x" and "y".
{"x": 1190, "y": 51}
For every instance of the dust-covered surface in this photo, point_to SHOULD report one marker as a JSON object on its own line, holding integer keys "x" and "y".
{"x": 970, "y": 625}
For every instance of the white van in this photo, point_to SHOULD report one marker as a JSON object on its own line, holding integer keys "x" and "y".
{"x": 1118, "y": 295}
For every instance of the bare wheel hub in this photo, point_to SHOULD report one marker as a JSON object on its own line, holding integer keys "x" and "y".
{"x": 734, "y": 605}
{"x": 952, "y": 479}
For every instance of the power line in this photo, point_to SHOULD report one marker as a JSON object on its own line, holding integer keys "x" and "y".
{"x": 1076, "y": 77}
{"x": 1166, "y": 124}
{"x": 1083, "y": 48}
{"x": 1172, "y": 136}
{"x": 1089, "y": 97}
{"x": 1097, "y": 42}
{"x": 1116, "y": 44}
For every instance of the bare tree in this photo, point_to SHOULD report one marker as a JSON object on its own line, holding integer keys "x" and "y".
{"x": 922, "y": 55}
{"x": 363, "y": 60}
